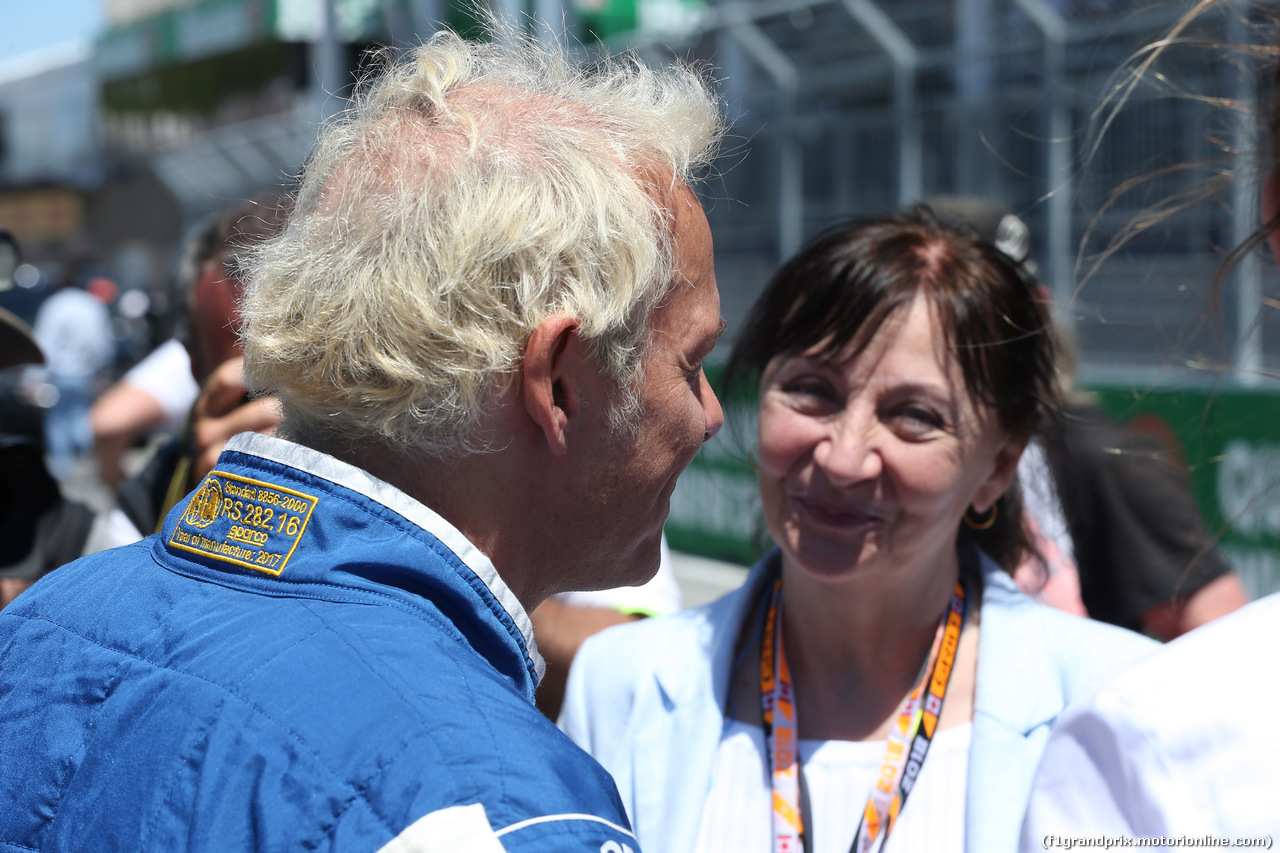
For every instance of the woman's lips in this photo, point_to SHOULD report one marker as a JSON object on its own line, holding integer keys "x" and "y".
{"x": 838, "y": 515}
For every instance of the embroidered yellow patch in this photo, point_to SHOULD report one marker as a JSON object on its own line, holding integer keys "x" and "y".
{"x": 247, "y": 522}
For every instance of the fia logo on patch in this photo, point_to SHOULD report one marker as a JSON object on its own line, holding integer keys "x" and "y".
{"x": 205, "y": 505}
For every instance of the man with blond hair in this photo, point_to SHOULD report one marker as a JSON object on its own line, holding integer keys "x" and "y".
{"x": 485, "y": 321}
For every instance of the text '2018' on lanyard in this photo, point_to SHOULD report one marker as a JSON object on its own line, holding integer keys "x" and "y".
{"x": 905, "y": 749}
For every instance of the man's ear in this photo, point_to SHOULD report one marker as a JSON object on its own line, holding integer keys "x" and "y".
{"x": 549, "y": 380}
{"x": 1270, "y": 198}
{"x": 1002, "y": 474}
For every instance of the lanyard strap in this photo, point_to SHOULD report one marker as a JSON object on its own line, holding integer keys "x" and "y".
{"x": 782, "y": 744}
{"x": 905, "y": 749}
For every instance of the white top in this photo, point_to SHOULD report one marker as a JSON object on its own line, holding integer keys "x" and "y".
{"x": 165, "y": 375}
{"x": 74, "y": 332}
{"x": 1055, "y": 581}
{"x": 838, "y": 775}
{"x": 1185, "y": 743}
{"x": 1040, "y": 499}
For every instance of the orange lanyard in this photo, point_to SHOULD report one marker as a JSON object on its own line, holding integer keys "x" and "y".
{"x": 905, "y": 750}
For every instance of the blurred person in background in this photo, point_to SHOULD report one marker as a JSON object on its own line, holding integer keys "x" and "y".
{"x": 1185, "y": 743}
{"x": 10, "y": 259}
{"x": 20, "y": 288}
{"x": 1117, "y": 532}
{"x": 485, "y": 321}
{"x": 39, "y": 528}
{"x": 209, "y": 359}
{"x": 155, "y": 395}
{"x": 73, "y": 328}
{"x": 901, "y": 371}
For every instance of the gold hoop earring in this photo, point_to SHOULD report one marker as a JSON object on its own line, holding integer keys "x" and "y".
{"x": 753, "y": 459}
{"x": 981, "y": 524}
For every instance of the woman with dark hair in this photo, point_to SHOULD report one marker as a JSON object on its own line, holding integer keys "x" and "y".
{"x": 881, "y": 651}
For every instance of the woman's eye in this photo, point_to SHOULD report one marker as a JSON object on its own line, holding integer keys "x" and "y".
{"x": 813, "y": 396}
{"x": 924, "y": 415}
{"x": 919, "y": 419}
{"x": 809, "y": 387}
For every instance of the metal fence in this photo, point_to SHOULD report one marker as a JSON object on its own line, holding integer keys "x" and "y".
{"x": 845, "y": 108}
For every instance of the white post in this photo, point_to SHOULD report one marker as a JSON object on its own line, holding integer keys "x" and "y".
{"x": 330, "y": 68}
{"x": 552, "y": 20}
{"x": 1059, "y": 274}
{"x": 974, "y": 25}
{"x": 790, "y": 155}
{"x": 1245, "y": 218}
{"x": 906, "y": 125}
{"x": 427, "y": 16}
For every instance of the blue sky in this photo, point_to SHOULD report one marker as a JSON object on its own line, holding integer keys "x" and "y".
{"x": 35, "y": 24}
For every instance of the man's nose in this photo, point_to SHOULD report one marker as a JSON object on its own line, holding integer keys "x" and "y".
{"x": 712, "y": 412}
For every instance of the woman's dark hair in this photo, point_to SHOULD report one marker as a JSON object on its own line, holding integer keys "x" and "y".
{"x": 839, "y": 290}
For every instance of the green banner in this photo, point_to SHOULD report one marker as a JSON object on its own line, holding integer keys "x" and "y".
{"x": 715, "y": 510}
{"x": 601, "y": 20}
{"x": 184, "y": 34}
{"x": 616, "y": 22}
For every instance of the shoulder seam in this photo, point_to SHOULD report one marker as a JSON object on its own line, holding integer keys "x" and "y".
{"x": 533, "y": 821}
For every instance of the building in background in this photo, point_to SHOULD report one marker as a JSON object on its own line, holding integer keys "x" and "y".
{"x": 50, "y": 162}
{"x": 856, "y": 107}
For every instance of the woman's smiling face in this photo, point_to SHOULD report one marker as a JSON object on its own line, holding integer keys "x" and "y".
{"x": 868, "y": 463}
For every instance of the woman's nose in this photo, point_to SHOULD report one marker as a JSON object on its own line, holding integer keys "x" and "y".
{"x": 850, "y": 452}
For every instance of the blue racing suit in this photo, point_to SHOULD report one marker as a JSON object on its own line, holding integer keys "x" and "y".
{"x": 303, "y": 658}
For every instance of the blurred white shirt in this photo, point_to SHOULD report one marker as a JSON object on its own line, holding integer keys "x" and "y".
{"x": 1186, "y": 743}
{"x": 165, "y": 375}
{"x": 74, "y": 332}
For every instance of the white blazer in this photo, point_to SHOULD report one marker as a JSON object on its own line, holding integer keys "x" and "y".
{"x": 646, "y": 700}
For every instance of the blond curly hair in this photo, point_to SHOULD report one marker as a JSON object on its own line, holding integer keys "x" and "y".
{"x": 472, "y": 190}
